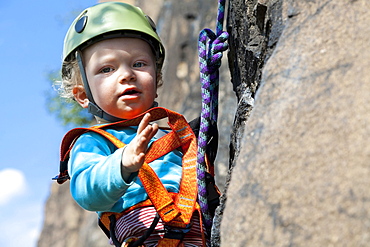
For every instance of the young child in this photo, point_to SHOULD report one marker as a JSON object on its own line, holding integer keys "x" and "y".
{"x": 112, "y": 61}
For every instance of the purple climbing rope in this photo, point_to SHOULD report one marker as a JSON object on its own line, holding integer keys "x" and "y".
{"x": 210, "y": 48}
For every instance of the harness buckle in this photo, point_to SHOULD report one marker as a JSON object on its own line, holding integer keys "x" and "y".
{"x": 172, "y": 232}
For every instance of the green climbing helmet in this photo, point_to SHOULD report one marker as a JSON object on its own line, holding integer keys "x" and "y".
{"x": 106, "y": 21}
{"x": 111, "y": 20}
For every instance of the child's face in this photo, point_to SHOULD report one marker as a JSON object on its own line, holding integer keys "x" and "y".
{"x": 122, "y": 76}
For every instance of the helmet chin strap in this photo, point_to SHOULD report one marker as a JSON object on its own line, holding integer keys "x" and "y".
{"x": 93, "y": 108}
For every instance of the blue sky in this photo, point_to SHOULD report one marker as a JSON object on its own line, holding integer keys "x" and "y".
{"x": 31, "y": 39}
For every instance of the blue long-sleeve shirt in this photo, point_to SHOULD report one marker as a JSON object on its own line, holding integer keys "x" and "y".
{"x": 95, "y": 170}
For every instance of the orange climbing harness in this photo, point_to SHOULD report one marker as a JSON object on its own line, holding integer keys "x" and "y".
{"x": 175, "y": 209}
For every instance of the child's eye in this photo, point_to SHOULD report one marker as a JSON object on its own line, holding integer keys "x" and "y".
{"x": 139, "y": 64}
{"x": 106, "y": 70}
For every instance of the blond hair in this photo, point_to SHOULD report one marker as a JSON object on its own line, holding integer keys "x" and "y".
{"x": 71, "y": 77}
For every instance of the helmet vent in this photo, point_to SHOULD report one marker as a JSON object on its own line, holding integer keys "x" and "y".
{"x": 81, "y": 24}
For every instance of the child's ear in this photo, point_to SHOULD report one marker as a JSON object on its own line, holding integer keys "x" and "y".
{"x": 80, "y": 96}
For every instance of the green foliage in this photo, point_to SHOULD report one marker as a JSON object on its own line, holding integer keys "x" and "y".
{"x": 70, "y": 113}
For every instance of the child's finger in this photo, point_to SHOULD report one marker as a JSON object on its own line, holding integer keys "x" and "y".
{"x": 140, "y": 158}
{"x": 143, "y": 123}
{"x": 145, "y": 136}
{"x": 153, "y": 131}
{"x": 149, "y": 132}
{"x": 142, "y": 144}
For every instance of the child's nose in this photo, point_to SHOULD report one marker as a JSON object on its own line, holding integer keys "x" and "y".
{"x": 127, "y": 75}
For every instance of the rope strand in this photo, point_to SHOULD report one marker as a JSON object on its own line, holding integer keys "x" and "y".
{"x": 210, "y": 48}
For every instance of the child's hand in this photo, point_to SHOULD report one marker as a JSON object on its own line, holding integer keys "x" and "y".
{"x": 134, "y": 153}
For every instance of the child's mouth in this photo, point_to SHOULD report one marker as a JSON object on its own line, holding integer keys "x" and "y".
{"x": 130, "y": 92}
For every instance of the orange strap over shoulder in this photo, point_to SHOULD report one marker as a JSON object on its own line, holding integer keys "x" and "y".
{"x": 177, "y": 211}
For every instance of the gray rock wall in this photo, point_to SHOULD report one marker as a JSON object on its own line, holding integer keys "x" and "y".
{"x": 66, "y": 224}
{"x": 302, "y": 174}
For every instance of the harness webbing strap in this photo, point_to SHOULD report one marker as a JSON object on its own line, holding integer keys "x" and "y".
{"x": 174, "y": 212}
{"x": 105, "y": 220}
{"x": 158, "y": 194}
{"x": 187, "y": 196}
{"x": 158, "y": 147}
{"x": 185, "y": 200}
{"x": 169, "y": 242}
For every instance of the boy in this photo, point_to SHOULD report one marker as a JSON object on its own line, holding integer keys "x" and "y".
{"x": 112, "y": 61}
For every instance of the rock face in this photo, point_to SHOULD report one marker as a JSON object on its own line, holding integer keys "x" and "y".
{"x": 67, "y": 224}
{"x": 294, "y": 131}
{"x": 302, "y": 175}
